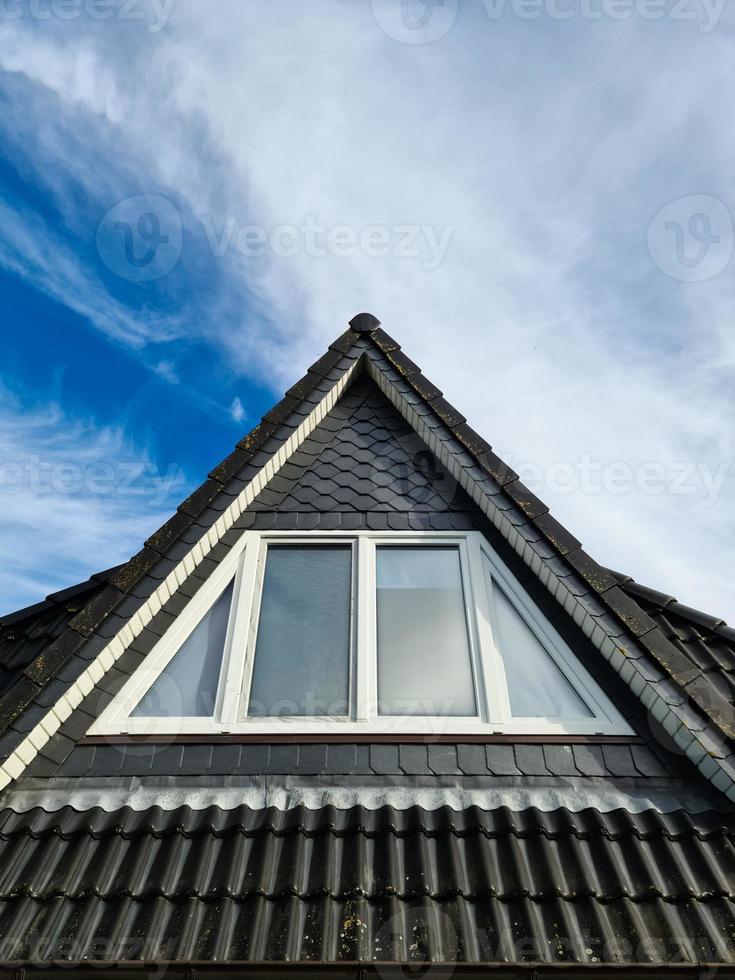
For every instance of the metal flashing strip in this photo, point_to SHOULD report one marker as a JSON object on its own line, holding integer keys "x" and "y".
{"x": 288, "y": 793}
{"x": 27, "y": 750}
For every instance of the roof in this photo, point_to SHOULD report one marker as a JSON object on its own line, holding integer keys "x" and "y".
{"x": 706, "y": 641}
{"x": 26, "y": 633}
{"x": 538, "y": 851}
{"x": 345, "y": 885}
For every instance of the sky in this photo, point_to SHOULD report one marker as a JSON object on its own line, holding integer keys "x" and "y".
{"x": 535, "y": 197}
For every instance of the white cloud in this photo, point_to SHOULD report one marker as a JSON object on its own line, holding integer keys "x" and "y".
{"x": 74, "y": 498}
{"x": 237, "y": 409}
{"x": 167, "y": 371}
{"x": 34, "y": 252}
{"x": 548, "y": 147}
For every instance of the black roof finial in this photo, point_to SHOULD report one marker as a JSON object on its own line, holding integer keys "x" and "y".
{"x": 364, "y": 323}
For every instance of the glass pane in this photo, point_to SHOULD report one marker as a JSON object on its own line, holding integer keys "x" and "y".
{"x": 536, "y": 686}
{"x": 302, "y": 653}
{"x": 187, "y": 687}
{"x": 424, "y": 661}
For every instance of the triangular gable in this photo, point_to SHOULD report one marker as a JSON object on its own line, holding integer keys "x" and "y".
{"x": 632, "y": 642}
{"x": 362, "y": 471}
{"x": 364, "y": 457}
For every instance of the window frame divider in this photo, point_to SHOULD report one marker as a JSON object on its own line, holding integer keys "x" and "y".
{"x": 235, "y": 662}
{"x": 365, "y": 632}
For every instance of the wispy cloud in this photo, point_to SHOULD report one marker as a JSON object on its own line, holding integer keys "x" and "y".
{"x": 237, "y": 409}
{"x": 74, "y": 498}
{"x": 32, "y": 250}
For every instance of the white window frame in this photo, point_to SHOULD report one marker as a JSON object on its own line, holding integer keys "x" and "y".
{"x": 481, "y": 569}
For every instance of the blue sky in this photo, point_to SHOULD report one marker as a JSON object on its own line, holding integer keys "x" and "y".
{"x": 535, "y": 197}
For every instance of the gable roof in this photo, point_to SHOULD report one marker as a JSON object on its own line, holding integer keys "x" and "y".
{"x": 688, "y": 700}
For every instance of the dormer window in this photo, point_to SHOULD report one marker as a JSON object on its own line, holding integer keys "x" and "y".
{"x": 390, "y": 632}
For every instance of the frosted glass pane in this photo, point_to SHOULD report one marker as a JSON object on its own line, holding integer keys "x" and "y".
{"x": 187, "y": 687}
{"x": 424, "y": 663}
{"x": 536, "y": 686}
{"x": 302, "y": 652}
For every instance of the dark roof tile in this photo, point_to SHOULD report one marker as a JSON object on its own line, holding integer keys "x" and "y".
{"x": 447, "y": 412}
{"x": 164, "y": 537}
{"x": 558, "y": 535}
{"x": 497, "y": 468}
{"x": 589, "y": 760}
{"x": 593, "y": 573}
{"x": 288, "y": 886}
{"x": 528, "y": 502}
{"x": 619, "y": 760}
{"x": 345, "y": 342}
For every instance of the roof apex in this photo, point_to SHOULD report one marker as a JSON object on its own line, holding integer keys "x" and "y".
{"x": 364, "y": 323}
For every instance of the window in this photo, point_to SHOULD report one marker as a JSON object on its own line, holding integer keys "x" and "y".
{"x": 302, "y": 652}
{"x": 187, "y": 685}
{"x": 536, "y": 684}
{"x": 405, "y": 633}
{"x": 424, "y": 655}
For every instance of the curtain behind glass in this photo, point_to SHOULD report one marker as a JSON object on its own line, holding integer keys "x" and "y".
{"x": 302, "y": 651}
{"x": 424, "y": 662}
